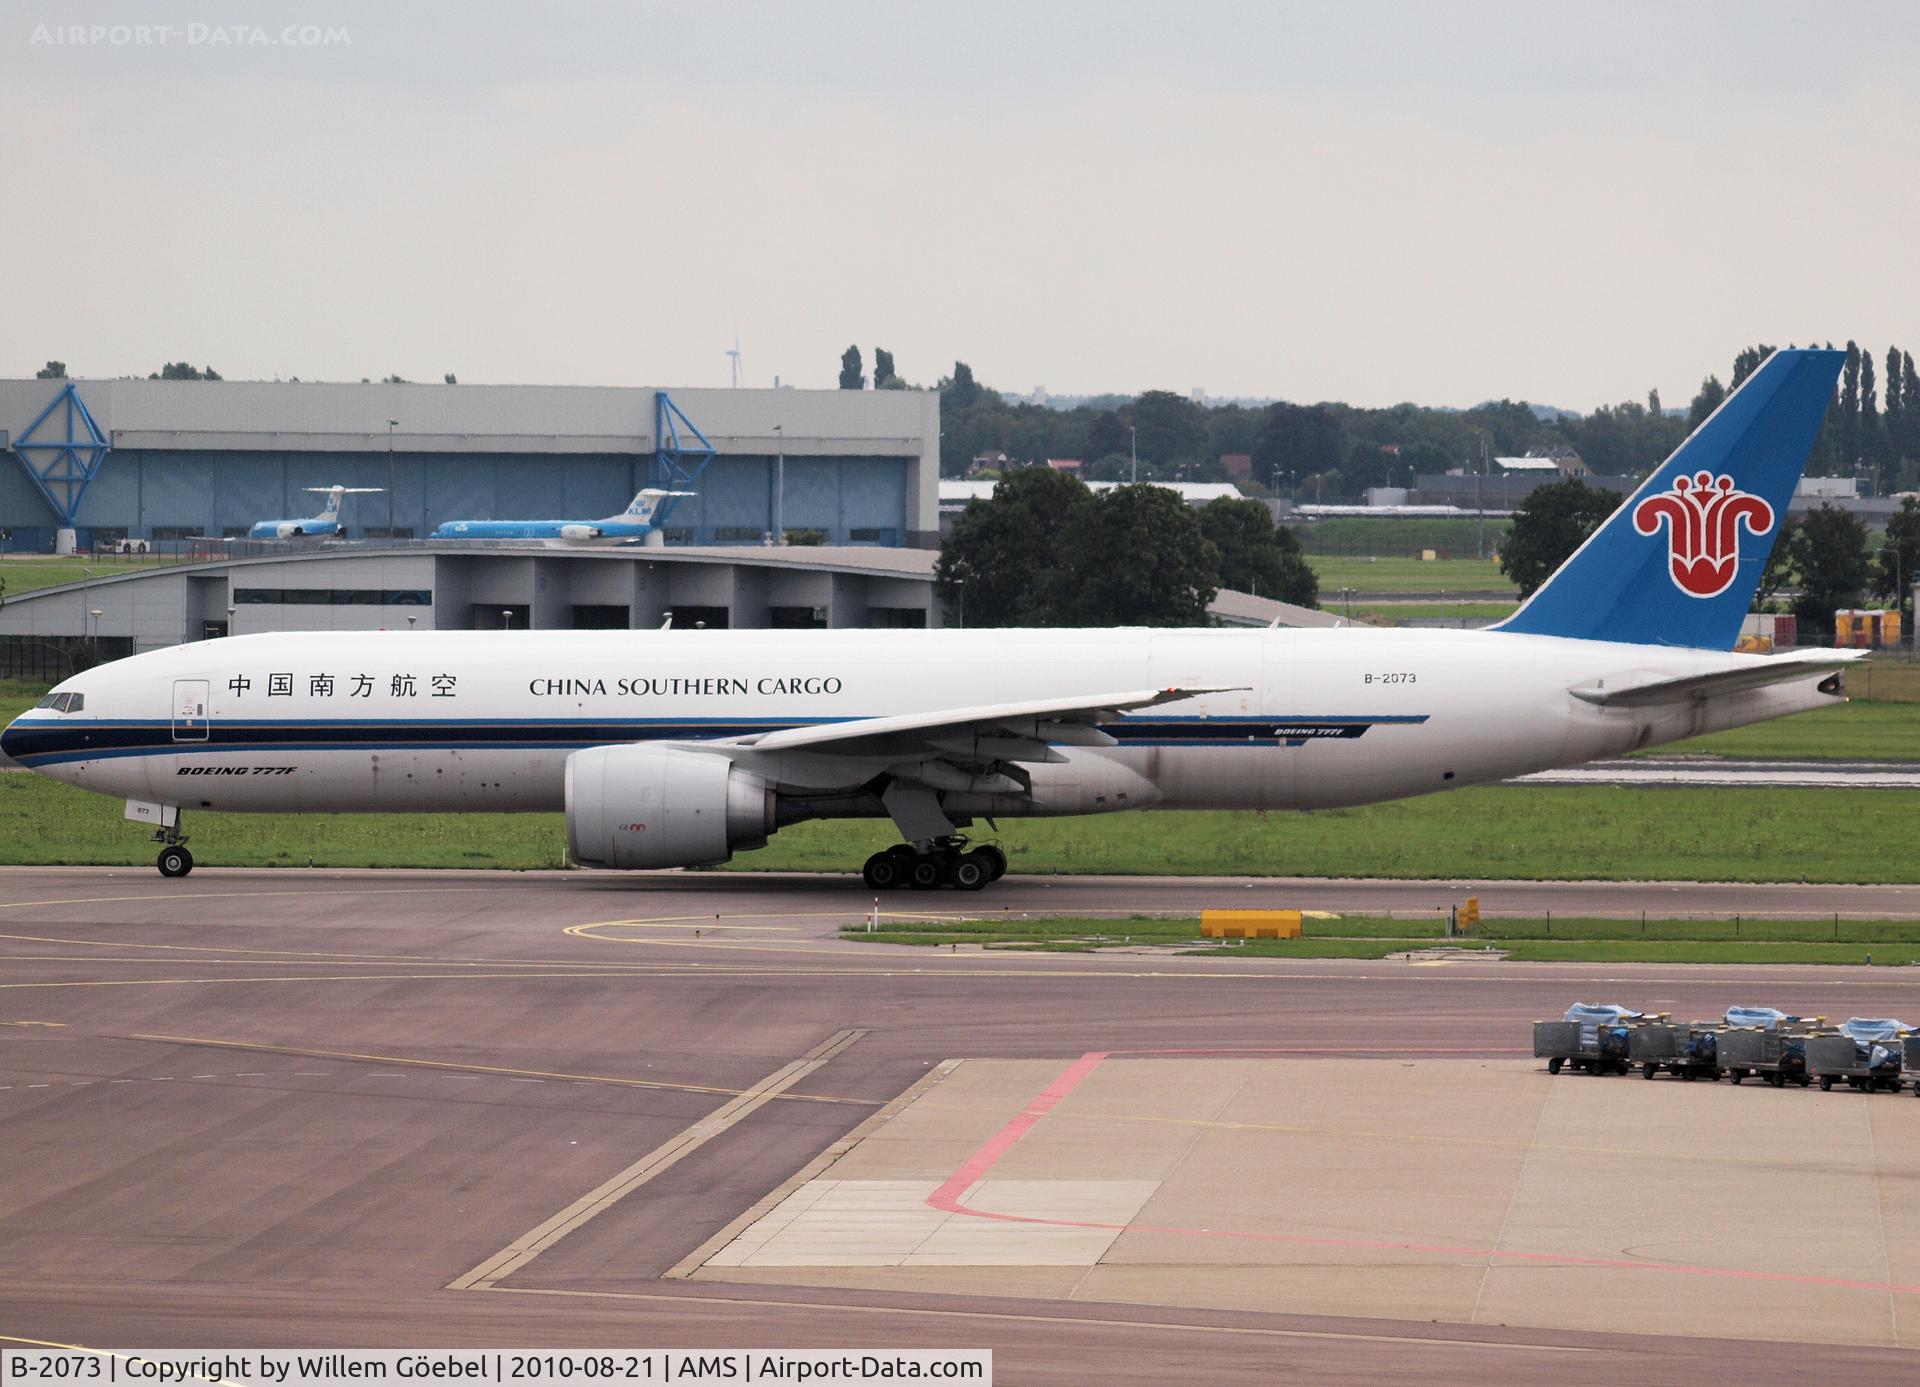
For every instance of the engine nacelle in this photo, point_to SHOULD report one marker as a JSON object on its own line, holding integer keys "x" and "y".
{"x": 579, "y": 534}
{"x": 642, "y": 806}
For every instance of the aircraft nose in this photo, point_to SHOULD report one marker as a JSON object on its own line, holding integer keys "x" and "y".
{"x": 12, "y": 740}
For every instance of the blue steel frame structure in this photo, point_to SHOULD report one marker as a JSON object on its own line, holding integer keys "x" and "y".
{"x": 676, "y": 466}
{"x": 72, "y": 462}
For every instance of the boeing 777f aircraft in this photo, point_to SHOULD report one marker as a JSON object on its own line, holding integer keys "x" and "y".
{"x": 632, "y": 525}
{"x": 676, "y": 748}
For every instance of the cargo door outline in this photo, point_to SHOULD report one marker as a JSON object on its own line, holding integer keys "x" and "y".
{"x": 192, "y": 720}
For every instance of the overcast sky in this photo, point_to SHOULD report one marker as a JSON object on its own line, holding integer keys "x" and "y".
{"x": 1371, "y": 202}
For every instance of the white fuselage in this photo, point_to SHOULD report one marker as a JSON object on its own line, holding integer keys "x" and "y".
{"x": 454, "y": 721}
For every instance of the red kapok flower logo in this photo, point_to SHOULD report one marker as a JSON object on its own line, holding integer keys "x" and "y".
{"x": 1704, "y": 516}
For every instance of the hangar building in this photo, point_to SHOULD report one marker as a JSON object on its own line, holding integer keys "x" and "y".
{"x": 119, "y": 610}
{"x": 174, "y": 461}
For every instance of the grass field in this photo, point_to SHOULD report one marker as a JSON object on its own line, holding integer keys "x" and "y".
{"x": 1390, "y": 612}
{"x": 24, "y": 575}
{"x": 1724, "y": 940}
{"x": 1385, "y": 574}
{"x": 1364, "y": 534}
{"x": 1850, "y": 732}
{"x": 1597, "y": 833}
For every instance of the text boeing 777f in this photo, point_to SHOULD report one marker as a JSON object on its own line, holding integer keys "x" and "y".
{"x": 675, "y": 748}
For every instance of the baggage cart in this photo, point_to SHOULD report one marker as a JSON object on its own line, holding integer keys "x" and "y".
{"x": 1866, "y": 1054}
{"x": 1593, "y": 1039}
{"x": 1912, "y": 1066}
{"x": 1775, "y": 1057}
{"x": 1687, "y": 1052}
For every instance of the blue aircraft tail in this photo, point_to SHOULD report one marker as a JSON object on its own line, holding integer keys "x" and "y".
{"x": 1679, "y": 562}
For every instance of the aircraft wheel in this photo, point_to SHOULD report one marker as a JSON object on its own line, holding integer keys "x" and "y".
{"x": 996, "y": 859}
{"x": 925, "y": 874}
{"x": 883, "y": 871}
{"x": 970, "y": 871}
{"x": 175, "y": 862}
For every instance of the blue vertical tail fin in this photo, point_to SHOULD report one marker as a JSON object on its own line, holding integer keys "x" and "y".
{"x": 1678, "y": 563}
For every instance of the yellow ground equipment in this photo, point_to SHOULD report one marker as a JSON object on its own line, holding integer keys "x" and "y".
{"x": 1250, "y": 924}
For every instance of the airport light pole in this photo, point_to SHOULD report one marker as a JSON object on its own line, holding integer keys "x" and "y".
{"x": 1133, "y": 446}
{"x": 780, "y": 484}
{"x": 391, "y": 425}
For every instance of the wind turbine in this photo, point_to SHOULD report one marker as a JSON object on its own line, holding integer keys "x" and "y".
{"x": 733, "y": 355}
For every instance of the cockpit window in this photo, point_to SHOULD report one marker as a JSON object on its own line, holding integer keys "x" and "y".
{"x": 63, "y": 702}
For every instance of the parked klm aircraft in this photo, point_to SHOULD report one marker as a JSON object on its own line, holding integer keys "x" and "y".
{"x": 632, "y": 525}
{"x": 674, "y": 748}
{"x": 325, "y": 524}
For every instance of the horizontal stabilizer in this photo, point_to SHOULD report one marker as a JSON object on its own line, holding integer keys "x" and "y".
{"x": 1777, "y": 670}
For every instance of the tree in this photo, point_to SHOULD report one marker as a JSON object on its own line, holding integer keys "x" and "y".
{"x": 1255, "y": 556}
{"x": 1135, "y": 557}
{"x": 1897, "y": 568}
{"x": 851, "y": 377}
{"x": 53, "y": 370}
{"x": 1873, "y": 439}
{"x": 394, "y": 380}
{"x": 1706, "y": 402}
{"x": 1747, "y": 363}
{"x": 450, "y": 379}
{"x": 1551, "y": 523}
{"x": 1850, "y": 411}
{"x": 1830, "y": 557}
{"x": 883, "y": 376}
{"x": 181, "y": 370}
{"x": 1910, "y": 392}
{"x": 957, "y": 391}
{"x": 1106, "y": 434}
{"x": 1653, "y": 403}
{"x": 1000, "y": 565}
{"x": 1778, "y": 571}
{"x": 1172, "y": 430}
{"x": 1301, "y": 439}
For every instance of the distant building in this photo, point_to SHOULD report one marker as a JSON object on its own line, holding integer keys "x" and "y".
{"x": 1237, "y": 466}
{"x": 171, "y": 463}
{"x": 1833, "y": 488}
{"x": 1071, "y": 466}
{"x": 1562, "y": 460}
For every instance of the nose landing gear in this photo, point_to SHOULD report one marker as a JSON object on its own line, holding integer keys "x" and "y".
{"x": 934, "y": 863}
{"x": 174, "y": 860}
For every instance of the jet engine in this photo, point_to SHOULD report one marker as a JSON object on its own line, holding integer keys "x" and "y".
{"x": 642, "y": 806}
{"x": 579, "y": 533}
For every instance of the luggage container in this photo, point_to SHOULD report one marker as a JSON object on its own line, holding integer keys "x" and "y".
{"x": 1866, "y": 1054}
{"x": 1776, "y": 1057}
{"x": 1687, "y": 1052}
{"x": 1593, "y": 1039}
{"x": 1766, "y": 1042}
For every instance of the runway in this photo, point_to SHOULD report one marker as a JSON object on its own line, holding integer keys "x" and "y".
{"x": 1711, "y": 772}
{"x": 392, "y": 1108}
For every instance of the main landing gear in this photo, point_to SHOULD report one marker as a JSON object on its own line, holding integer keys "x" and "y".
{"x": 935, "y": 863}
{"x": 174, "y": 860}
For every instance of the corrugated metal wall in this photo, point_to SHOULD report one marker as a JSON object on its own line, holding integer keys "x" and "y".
{"x": 139, "y": 490}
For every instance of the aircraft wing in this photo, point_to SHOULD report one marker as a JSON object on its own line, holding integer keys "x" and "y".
{"x": 994, "y": 731}
{"x": 1775, "y": 670}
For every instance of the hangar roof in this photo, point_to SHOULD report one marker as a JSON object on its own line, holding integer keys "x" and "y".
{"x": 338, "y": 417}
